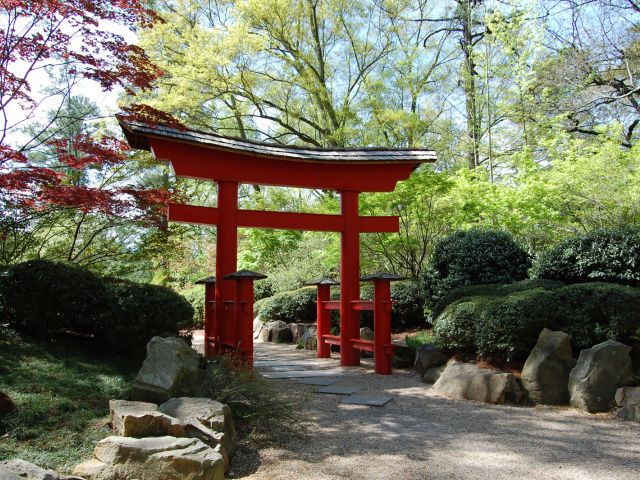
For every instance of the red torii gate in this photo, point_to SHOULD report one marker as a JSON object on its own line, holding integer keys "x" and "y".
{"x": 230, "y": 161}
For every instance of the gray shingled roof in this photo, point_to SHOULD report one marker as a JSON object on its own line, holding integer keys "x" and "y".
{"x": 138, "y": 137}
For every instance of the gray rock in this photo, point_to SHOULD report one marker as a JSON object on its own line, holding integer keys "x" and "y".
{"x": 142, "y": 419}
{"x": 428, "y": 356}
{"x": 366, "y": 333}
{"x": 257, "y": 327}
{"x": 6, "y": 404}
{"x": 166, "y": 458}
{"x": 600, "y": 371}
{"x": 171, "y": 369}
{"x": 6, "y": 474}
{"x": 276, "y": 332}
{"x": 206, "y": 419}
{"x": 545, "y": 376}
{"x": 403, "y": 355}
{"x": 18, "y": 469}
{"x": 433, "y": 374}
{"x": 297, "y": 331}
{"x": 628, "y": 399}
{"x": 310, "y": 338}
{"x": 467, "y": 381}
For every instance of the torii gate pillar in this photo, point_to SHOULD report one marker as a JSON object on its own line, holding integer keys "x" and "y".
{"x": 226, "y": 261}
{"x": 349, "y": 278}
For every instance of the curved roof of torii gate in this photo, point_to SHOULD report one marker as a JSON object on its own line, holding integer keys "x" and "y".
{"x": 197, "y": 154}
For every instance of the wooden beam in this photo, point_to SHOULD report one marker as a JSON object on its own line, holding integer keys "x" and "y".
{"x": 280, "y": 220}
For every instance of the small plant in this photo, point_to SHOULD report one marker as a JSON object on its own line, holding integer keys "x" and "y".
{"x": 257, "y": 405}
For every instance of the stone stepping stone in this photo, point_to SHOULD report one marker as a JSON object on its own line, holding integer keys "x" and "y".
{"x": 287, "y": 363}
{"x": 300, "y": 374}
{"x": 370, "y": 400}
{"x": 323, "y": 381}
{"x": 338, "y": 390}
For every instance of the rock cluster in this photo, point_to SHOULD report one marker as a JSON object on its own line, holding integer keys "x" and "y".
{"x": 429, "y": 362}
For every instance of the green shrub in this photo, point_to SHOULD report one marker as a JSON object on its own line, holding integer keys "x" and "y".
{"x": 472, "y": 257}
{"x": 44, "y": 298}
{"x": 145, "y": 311}
{"x": 610, "y": 255}
{"x": 408, "y": 305}
{"x": 504, "y": 321}
{"x": 41, "y": 298}
{"x": 262, "y": 289}
{"x": 195, "y": 296}
{"x": 490, "y": 290}
{"x": 295, "y": 306}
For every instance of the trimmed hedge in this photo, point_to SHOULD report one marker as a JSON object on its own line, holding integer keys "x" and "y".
{"x": 297, "y": 306}
{"x": 609, "y": 255}
{"x": 44, "y": 298}
{"x": 472, "y": 257}
{"x": 505, "y": 321}
{"x": 408, "y": 298}
{"x": 145, "y": 311}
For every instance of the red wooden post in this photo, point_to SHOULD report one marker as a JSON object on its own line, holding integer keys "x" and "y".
{"x": 226, "y": 263}
{"x": 349, "y": 278}
{"x": 382, "y": 347}
{"x": 244, "y": 312}
{"x": 210, "y": 330}
{"x": 323, "y": 315}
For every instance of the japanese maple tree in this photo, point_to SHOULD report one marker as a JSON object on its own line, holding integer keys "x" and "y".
{"x": 75, "y": 37}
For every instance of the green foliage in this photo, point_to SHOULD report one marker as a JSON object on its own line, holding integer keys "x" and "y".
{"x": 44, "y": 298}
{"x": 262, "y": 289}
{"x": 62, "y": 397}
{"x": 195, "y": 296}
{"x": 145, "y": 311}
{"x": 476, "y": 256}
{"x": 504, "y": 321}
{"x": 608, "y": 255}
{"x": 297, "y": 306}
{"x": 421, "y": 338}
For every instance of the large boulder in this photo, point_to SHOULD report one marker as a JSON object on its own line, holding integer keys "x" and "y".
{"x": 403, "y": 354}
{"x": 215, "y": 416}
{"x": 433, "y": 374}
{"x": 6, "y": 404}
{"x": 599, "y": 372}
{"x": 297, "y": 331}
{"x": 257, "y": 327}
{"x": 142, "y": 419}
{"x": 628, "y": 400}
{"x": 467, "y": 381}
{"x": 428, "y": 356}
{"x": 152, "y": 458}
{"x": 18, "y": 469}
{"x": 171, "y": 369}
{"x": 310, "y": 338}
{"x": 366, "y": 333}
{"x": 276, "y": 331}
{"x": 545, "y": 376}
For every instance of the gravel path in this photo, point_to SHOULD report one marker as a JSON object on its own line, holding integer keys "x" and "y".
{"x": 419, "y": 435}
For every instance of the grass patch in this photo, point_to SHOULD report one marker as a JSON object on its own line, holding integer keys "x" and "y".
{"x": 62, "y": 397}
{"x": 421, "y": 338}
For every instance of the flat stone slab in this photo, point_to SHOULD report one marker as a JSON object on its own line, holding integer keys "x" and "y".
{"x": 324, "y": 381}
{"x": 371, "y": 400}
{"x": 300, "y": 374}
{"x": 338, "y": 390}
